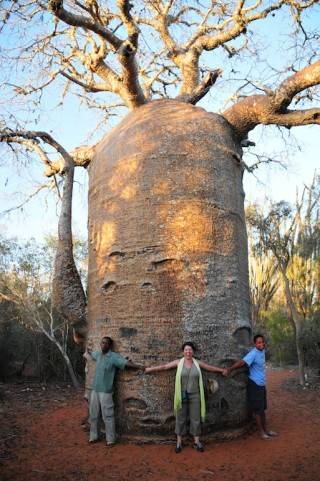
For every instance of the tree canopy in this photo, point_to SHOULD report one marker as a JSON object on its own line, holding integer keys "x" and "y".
{"x": 122, "y": 54}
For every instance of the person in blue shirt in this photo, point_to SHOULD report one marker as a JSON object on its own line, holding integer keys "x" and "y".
{"x": 257, "y": 394}
{"x": 101, "y": 398}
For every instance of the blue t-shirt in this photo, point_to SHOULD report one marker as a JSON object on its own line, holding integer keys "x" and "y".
{"x": 256, "y": 361}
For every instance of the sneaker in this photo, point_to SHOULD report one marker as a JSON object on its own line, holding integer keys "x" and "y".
{"x": 93, "y": 441}
{"x": 271, "y": 433}
{"x": 110, "y": 444}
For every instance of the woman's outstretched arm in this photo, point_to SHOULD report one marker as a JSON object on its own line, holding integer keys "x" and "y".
{"x": 210, "y": 368}
{"x": 162, "y": 367}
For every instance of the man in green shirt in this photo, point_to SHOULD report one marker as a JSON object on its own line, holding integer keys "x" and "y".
{"x": 107, "y": 362}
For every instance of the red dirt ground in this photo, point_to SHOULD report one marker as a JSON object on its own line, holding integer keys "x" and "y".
{"x": 42, "y": 440}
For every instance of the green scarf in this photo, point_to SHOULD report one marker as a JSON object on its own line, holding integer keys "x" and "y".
{"x": 177, "y": 392}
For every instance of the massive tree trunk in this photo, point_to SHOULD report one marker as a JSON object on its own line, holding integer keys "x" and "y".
{"x": 168, "y": 257}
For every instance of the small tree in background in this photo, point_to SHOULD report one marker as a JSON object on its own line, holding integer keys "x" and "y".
{"x": 25, "y": 297}
{"x": 264, "y": 282}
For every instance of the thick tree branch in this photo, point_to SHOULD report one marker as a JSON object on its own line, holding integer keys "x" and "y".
{"x": 272, "y": 108}
{"x": 202, "y": 89}
{"x": 131, "y": 27}
{"x": 161, "y": 23}
{"x": 188, "y": 63}
{"x": 127, "y": 57}
{"x": 131, "y": 89}
{"x": 295, "y": 118}
{"x": 56, "y": 7}
{"x": 127, "y": 85}
{"x": 305, "y": 78}
{"x": 241, "y": 17}
{"x": 31, "y": 139}
{"x": 83, "y": 155}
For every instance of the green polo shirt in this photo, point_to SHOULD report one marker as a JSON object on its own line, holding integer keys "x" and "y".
{"x": 106, "y": 369}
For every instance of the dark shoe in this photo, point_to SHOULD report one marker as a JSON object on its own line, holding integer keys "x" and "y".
{"x": 178, "y": 448}
{"x": 199, "y": 447}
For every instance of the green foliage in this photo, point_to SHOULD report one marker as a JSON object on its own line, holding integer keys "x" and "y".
{"x": 264, "y": 283}
{"x": 80, "y": 254}
{"x": 280, "y": 334}
{"x": 273, "y": 230}
{"x": 311, "y": 340}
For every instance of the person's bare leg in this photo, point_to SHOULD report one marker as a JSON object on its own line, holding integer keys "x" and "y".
{"x": 264, "y": 424}
{"x": 261, "y": 420}
{"x": 197, "y": 444}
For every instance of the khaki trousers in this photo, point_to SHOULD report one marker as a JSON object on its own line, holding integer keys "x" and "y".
{"x": 190, "y": 408}
{"x": 103, "y": 401}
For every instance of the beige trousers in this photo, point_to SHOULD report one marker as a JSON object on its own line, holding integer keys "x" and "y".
{"x": 102, "y": 401}
{"x": 190, "y": 409}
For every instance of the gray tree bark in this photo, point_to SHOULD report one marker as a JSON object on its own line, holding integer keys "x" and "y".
{"x": 168, "y": 257}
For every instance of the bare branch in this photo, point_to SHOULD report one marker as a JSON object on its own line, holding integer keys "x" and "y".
{"x": 66, "y": 160}
{"x": 31, "y": 89}
{"x": 56, "y": 7}
{"x": 295, "y": 118}
{"x": 131, "y": 89}
{"x": 272, "y": 108}
{"x": 305, "y": 78}
{"x": 125, "y": 15}
{"x": 202, "y": 89}
{"x": 160, "y": 23}
{"x": 94, "y": 88}
{"x": 26, "y": 200}
{"x": 127, "y": 57}
{"x": 80, "y": 157}
{"x": 210, "y": 37}
{"x": 127, "y": 86}
{"x": 83, "y": 155}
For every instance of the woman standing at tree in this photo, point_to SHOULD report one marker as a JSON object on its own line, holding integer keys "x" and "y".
{"x": 189, "y": 393}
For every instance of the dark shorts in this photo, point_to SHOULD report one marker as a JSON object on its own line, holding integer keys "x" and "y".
{"x": 257, "y": 397}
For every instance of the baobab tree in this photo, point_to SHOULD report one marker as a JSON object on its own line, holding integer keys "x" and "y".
{"x": 167, "y": 236}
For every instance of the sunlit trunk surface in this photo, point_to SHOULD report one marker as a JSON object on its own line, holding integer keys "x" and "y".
{"x": 168, "y": 259}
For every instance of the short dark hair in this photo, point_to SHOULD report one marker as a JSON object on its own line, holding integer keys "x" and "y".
{"x": 188, "y": 343}
{"x": 109, "y": 339}
{"x": 256, "y": 337}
